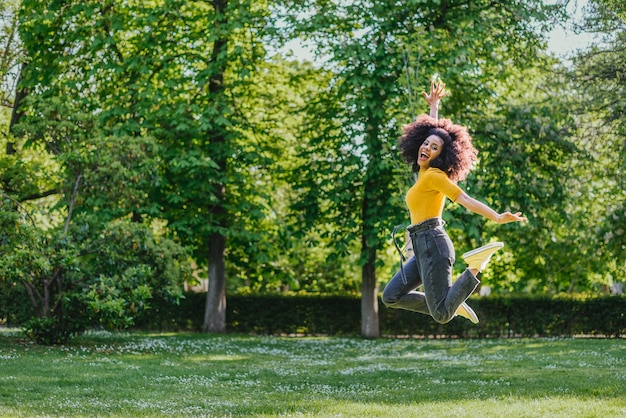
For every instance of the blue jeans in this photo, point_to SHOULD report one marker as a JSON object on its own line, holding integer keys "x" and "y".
{"x": 431, "y": 267}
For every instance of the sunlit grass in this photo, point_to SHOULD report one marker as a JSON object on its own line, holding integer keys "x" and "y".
{"x": 103, "y": 374}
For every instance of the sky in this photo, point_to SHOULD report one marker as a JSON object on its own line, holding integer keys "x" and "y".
{"x": 563, "y": 41}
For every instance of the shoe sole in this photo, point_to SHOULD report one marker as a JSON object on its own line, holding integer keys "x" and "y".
{"x": 483, "y": 248}
{"x": 472, "y": 315}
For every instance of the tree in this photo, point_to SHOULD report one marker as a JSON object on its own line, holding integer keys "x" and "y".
{"x": 105, "y": 170}
{"x": 167, "y": 86}
{"x": 598, "y": 79}
{"x": 376, "y": 48}
{"x": 205, "y": 160}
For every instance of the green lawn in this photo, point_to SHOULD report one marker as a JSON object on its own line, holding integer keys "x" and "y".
{"x": 103, "y": 374}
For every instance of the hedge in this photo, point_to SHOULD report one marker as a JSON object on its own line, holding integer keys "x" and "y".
{"x": 500, "y": 316}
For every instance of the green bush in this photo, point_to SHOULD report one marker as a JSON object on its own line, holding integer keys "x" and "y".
{"x": 500, "y": 316}
{"x": 15, "y": 309}
{"x": 86, "y": 276}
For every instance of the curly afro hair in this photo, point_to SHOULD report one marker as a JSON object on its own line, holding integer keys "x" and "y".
{"x": 458, "y": 154}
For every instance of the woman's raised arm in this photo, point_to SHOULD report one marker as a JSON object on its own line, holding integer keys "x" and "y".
{"x": 437, "y": 92}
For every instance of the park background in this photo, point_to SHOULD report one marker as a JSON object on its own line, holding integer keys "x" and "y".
{"x": 151, "y": 144}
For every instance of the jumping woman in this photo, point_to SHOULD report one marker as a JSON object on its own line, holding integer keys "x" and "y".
{"x": 442, "y": 154}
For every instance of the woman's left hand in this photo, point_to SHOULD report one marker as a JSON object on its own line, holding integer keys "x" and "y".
{"x": 507, "y": 217}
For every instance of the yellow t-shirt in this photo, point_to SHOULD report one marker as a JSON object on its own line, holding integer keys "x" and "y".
{"x": 426, "y": 198}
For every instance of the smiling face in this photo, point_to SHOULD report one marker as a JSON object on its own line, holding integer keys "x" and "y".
{"x": 430, "y": 149}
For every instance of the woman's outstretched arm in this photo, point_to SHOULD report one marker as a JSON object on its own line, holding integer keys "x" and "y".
{"x": 484, "y": 210}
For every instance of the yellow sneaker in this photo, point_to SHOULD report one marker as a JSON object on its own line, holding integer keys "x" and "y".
{"x": 478, "y": 258}
{"x": 466, "y": 312}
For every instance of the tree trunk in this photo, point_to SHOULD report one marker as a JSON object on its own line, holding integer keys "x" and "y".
{"x": 215, "y": 311}
{"x": 369, "y": 286}
{"x": 369, "y": 300}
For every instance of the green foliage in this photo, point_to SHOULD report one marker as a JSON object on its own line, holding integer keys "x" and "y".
{"x": 15, "y": 309}
{"x": 116, "y": 300}
{"x": 124, "y": 267}
{"x": 87, "y": 275}
{"x": 133, "y": 254}
{"x": 26, "y": 173}
{"x": 49, "y": 331}
{"x": 526, "y": 148}
{"x": 59, "y": 329}
{"x": 276, "y": 247}
{"x": 597, "y": 82}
